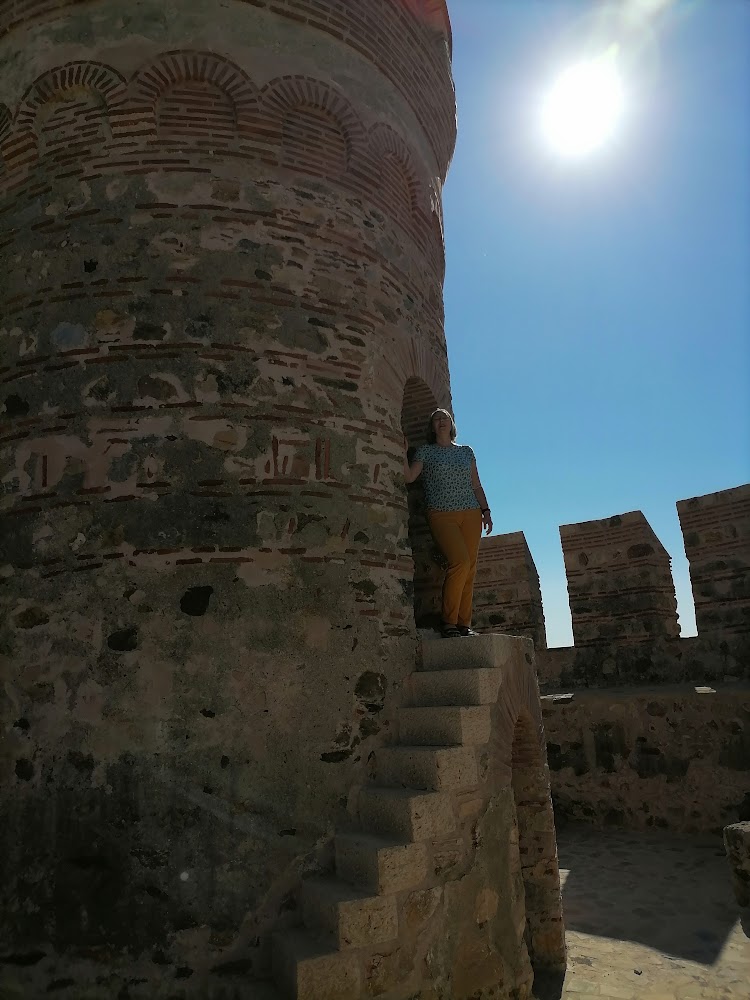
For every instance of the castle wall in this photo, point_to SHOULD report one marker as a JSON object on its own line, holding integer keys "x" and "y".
{"x": 667, "y": 757}
{"x": 675, "y": 754}
{"x": 716, "y": 529}
{"x": 223, "y": 261}
{"x": 507, "y": 597}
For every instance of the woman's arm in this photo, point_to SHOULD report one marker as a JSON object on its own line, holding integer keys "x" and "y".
{"x": 413, "y": 471}
{"x": 476, "y": 485}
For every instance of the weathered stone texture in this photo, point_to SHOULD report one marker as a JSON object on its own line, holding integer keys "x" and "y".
{"x": 619, "y": 581}
{"x": 507, "y": 597}
{"x": 467, "y": 868}
{"x": 222, "y": 245}
{"x": 737, "y": 844}
{"x": 675, "y": 758}
{"x": 716, "y": 529}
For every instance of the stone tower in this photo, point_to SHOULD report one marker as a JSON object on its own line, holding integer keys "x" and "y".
{"x": 221, "y": 287}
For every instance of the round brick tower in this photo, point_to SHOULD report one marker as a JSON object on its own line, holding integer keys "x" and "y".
{"x": 221, "y": 297}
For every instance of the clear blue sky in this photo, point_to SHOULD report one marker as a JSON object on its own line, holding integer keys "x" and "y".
{"x": 598, "y": 313}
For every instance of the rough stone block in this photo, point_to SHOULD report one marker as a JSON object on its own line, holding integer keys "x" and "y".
{"x": 457, "y": 687}
{"x": 412, "y": 815}
{"x": 737, "y": 844}
{"x": 305, "y": 971}
{"x": 380, "y": 864}
{"x": 445, "y": 726}
{"x": 440, "y": 769}
{"x": 472, "y": 651}
{"x": 352, "y": 919}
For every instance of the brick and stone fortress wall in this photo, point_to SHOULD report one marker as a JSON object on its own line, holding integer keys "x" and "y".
{"x": 643, "y": 728}
{"x": 221, "y": 288}
{"x": 507, "y": 597}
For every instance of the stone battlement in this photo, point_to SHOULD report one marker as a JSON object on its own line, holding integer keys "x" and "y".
{"x": 622, "y": 597}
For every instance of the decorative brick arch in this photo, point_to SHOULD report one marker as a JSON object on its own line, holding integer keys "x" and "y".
{"x": 412, "y": 358}
{"x": 73, "y": 76}
{"x": 153, "y": 81}
{"x": 519, "y": 755}
{"x": 287, "y": 96}
{"x": 394, "y": 164}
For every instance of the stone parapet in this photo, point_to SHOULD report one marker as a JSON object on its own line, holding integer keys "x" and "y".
{"x": 695, "y": 659}
{"x": 671, "y": 757}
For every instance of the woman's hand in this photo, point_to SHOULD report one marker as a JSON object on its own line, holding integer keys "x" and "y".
{"x": 413, "y": 471}
{"x": 487, "y": 521}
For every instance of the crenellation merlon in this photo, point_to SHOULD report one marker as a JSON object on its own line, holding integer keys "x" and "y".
{"x": 619, "y": 581}
{"x": 716, "y": 532}
{"x": 507, "y": 595}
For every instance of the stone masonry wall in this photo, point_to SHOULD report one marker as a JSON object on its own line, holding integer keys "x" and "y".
{"x": 676, "y": 755}
{"x": 619, "y": 581}
{"x": 665, "y": 757}
{"x": 222, "y": 238}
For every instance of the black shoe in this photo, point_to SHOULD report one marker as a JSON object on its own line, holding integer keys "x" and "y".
{"x": 449, "y": 631}
{"x": 465, "y": 630}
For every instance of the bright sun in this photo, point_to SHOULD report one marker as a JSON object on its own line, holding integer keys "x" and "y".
{"x": 583, "y": 106}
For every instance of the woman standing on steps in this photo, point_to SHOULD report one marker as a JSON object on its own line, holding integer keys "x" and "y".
{"x": 456, "y": 511}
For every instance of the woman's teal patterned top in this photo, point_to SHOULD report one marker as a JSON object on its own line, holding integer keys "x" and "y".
{"x": 446, "y": 476}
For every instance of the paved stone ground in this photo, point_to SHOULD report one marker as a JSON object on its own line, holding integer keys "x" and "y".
{"x": 649, "y": 916}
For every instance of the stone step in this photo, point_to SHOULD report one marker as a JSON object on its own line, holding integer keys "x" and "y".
{"x": 448, "y": 725}
{"x": 380, "y": 864}
{"x": 406, "y": 813}
{"x": 472, "y": 652}
{"x": 350, "y": 918}
{"x": 305, "y": 970}
{"x": 440, "y": 769}
{"x": 472, "y": 686}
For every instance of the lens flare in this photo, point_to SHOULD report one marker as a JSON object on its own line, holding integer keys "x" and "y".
{"x": 582, "y": 109}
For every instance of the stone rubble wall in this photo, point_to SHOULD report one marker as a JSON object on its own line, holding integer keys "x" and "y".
{"x": 223, "y": 258}
{"x": 676, "y": 758}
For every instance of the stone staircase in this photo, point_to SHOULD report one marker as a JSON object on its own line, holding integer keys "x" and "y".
{"x": 355, "y": 918}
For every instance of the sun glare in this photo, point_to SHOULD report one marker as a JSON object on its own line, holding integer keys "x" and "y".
{"x": 583, "y": 107}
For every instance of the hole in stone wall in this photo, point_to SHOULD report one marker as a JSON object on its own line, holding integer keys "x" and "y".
{"x": 195, "y": 600}
{"x": 124, "y": 640}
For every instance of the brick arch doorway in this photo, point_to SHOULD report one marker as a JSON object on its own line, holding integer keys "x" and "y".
{"x": 536, "y": 861}
{"x": 419, "y": 402}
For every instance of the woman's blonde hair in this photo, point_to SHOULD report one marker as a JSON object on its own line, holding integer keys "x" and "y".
{"x": 431, "y": 437}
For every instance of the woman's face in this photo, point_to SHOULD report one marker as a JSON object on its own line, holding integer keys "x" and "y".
{"x": 441, "y": 422}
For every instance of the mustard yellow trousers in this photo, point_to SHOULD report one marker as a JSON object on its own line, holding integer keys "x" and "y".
{"x": 457, "y": 534}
